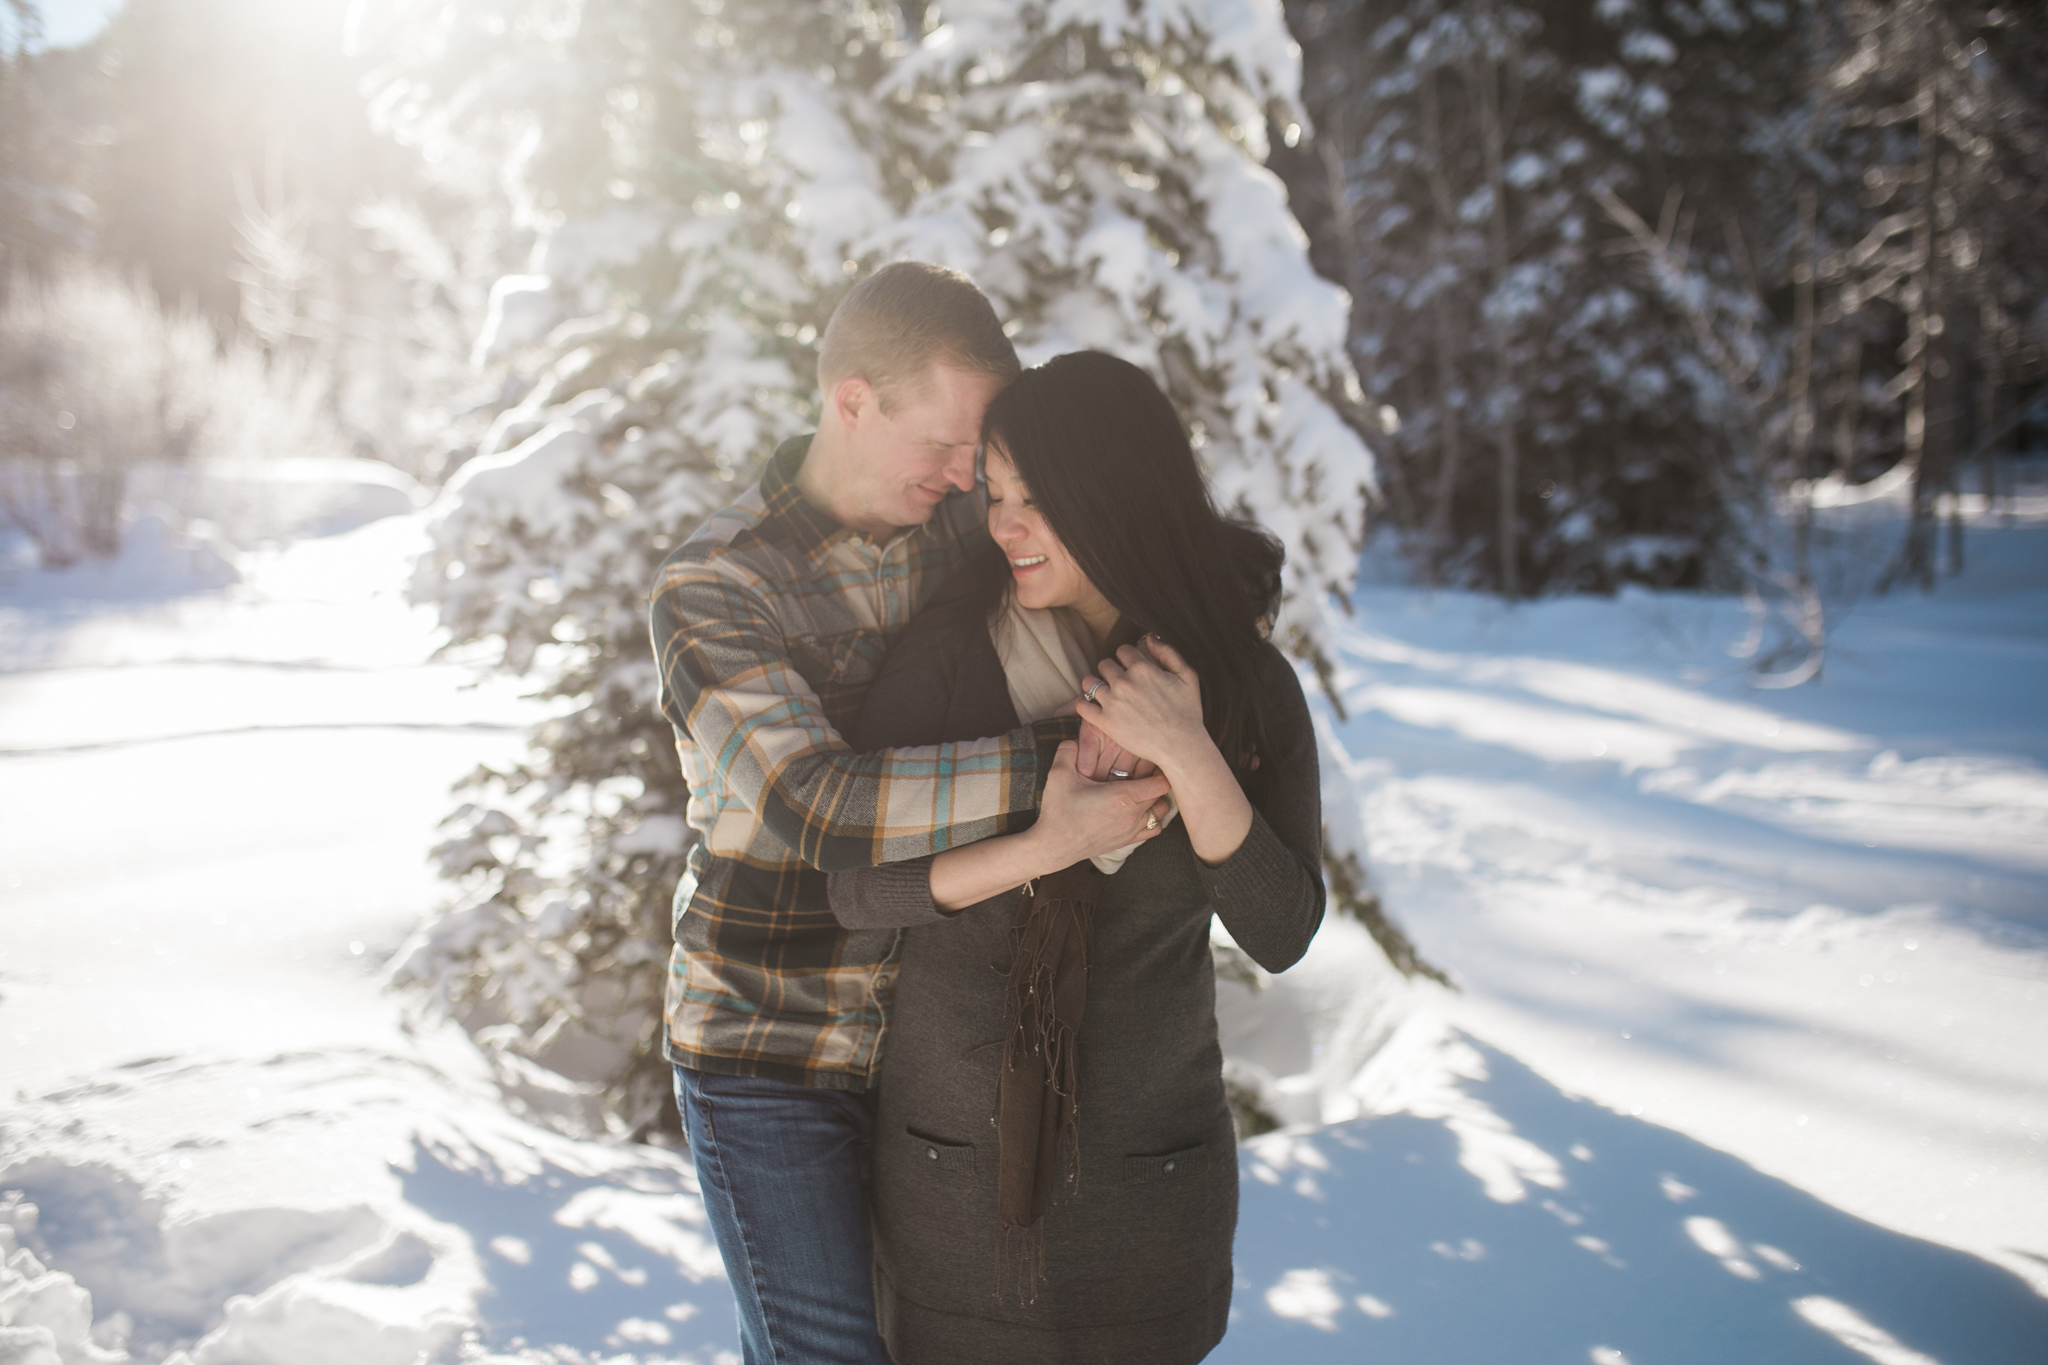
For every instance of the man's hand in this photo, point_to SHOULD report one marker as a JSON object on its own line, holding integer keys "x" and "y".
{"x": 1079, "y": 817}
{"x": 1101, "y": 759}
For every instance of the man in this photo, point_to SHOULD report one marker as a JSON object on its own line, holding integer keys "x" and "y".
{"x": 768, "y": 625}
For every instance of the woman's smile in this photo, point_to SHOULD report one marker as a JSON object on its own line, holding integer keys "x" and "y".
{"x": 1045, "y": 574}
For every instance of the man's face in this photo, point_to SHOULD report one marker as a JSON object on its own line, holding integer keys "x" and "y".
{"x": 907, "y": 460}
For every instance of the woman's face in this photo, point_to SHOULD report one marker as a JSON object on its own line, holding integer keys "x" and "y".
{"x": 1045, "y": 574}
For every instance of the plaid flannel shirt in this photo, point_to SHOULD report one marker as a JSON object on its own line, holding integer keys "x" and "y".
{"x": 769, "y": 623}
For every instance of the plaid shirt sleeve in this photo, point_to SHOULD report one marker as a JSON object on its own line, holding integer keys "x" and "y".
{"x": 762, "y": 738}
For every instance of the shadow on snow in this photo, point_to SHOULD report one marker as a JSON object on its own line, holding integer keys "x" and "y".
{"x": 596, "y": 1262}
{"x": 1402, "y": 1240}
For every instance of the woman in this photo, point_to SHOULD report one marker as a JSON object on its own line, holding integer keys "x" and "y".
{"x": 1055, "y": 1177}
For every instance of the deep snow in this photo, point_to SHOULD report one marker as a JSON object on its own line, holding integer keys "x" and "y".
{"x": 1744, "y": 1063}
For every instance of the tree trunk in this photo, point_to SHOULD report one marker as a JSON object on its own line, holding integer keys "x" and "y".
{"x": 1802, "y": 394}
{"x": 1328, "y": 143}
{"x": 1448, "y": 420}
{"x": 1487, "y": 81}
{"x": 1924, "y": 327}
{"x": 1451, "y": 438}
{"x": 1990, "y": 378}
{"x": 1849, "y": 410}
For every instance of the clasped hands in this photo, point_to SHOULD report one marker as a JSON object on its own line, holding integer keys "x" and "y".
{"x": 1145, "y": 701}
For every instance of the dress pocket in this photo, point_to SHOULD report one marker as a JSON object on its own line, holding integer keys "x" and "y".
{"x": 1156, "y": 1169}
{"x": 938, "y": 1157}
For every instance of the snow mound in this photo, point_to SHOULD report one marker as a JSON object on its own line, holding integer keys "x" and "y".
{"x": 353, "y": 1207}
{"x": 187, "y": 524}
{"x": 45, "y": 1317}
{"x": 1995, "y": 807}
{"x": 250, "y": 1286}
{"x": 1302, "y": 1042}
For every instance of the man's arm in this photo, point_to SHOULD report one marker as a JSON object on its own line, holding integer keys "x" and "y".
{"x": 1078, "y": 818}
{"x": 762, "y": 735}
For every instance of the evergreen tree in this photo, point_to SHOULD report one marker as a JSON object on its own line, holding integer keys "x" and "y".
{"x": 1944, "y": 109}
{"x": 192, "y": 96}
{"x": 1099, "y": 169}
{"x": 1558, "y": 426}
{"x": 656, "y": 351}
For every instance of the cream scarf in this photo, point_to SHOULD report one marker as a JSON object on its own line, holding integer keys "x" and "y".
{"x": 1045, "y": 656}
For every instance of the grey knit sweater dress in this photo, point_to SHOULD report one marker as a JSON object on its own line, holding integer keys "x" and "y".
{"x": 1137, "y": 1257}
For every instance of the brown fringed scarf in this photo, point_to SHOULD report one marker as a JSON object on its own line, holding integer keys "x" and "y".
{"x": 1037, "y": 1114}
{"x": 1045, "y": 655}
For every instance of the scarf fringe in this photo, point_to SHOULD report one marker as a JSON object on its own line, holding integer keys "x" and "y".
{"x": 1021, "y": 1253}
{"x": 1037, "y": 1102}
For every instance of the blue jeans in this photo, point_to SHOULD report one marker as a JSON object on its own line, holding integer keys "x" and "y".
{"x": 784, "y": 1171}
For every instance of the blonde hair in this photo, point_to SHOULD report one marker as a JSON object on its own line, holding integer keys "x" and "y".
{"x": 893, "y": 326}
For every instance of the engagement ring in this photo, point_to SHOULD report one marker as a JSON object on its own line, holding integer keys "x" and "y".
{"x": 1118, "y": 772}
{"x": 1089, "y": 695}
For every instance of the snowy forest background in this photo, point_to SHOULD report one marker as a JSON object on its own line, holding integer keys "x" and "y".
{"x": 1499, "y": 315}
{"x": 1614, "y": 267}
{"x": 1629, "y": 287}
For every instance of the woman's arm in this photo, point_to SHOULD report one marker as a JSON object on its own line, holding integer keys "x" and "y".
{"x": 1269, "y": 894}
{"x": 1263, "y": 866}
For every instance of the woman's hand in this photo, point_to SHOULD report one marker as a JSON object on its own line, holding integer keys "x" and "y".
{"x": 1079, "y": 817}
{"x": 1149, "y": 701}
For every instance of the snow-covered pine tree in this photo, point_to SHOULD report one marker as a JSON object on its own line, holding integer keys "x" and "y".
{"x": 658, "y": 348}
{"x": 1402, "y": 186}
{"x": 1557, "y": 425}
{"x": 1098, "y": 168}
{"x": 1729, "y": 196}
{"x": 702, "y": 181}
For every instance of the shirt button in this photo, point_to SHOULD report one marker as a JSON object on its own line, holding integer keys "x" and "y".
{"x": 1169, "y": 1165}
{"x": 932, "y": 1152}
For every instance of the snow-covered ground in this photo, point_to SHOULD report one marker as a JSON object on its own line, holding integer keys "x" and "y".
{"x": 1746, "y": 1063}
{"x": 1744, "y": 1066}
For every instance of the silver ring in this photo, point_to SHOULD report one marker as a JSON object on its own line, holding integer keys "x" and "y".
{"x": 1089, "y": 695}
{"x": 1118, "y": 772}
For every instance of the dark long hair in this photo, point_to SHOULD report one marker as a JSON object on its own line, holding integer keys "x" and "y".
{"x": 1108, "y": 463}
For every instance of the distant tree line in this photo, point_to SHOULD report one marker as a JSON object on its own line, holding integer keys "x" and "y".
{"x": 177, "y": 254}
{"x": 1630, "y": 276}
{"x": 224, "y": 154}
{"x": 1627, "y": 275}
